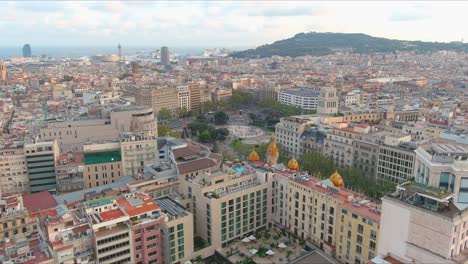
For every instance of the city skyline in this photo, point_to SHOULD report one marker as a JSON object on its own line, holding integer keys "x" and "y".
{"x": 241, "y": 24}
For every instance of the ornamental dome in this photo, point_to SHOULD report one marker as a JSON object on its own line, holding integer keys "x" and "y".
{"x": 253, "y": 156}
{"x": 336, "y": 179}
{"x": 293, "y": 164}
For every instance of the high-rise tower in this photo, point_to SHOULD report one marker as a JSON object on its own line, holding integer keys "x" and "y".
{"x": 27, "y": 51}
{"x": 165, "y": 56}
{"x": 3, "y": 72}
{"x": 120, "y": 51}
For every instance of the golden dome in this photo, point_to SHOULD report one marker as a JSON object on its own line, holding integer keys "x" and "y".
{"x": 336, "y": 179}
{"x": 253, "y": 156}
{"x": 293, "y": 164}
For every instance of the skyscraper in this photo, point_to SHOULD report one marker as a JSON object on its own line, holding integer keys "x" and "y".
{"x": 3, "y": 73}
{"x": 27, "y": 51}
{"x": 165, "y": 56}
{"x": 120, "y": 51}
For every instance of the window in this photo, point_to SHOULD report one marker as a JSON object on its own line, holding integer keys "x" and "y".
{"x": 372, "y": 245}
{"x": 360, "y": 228}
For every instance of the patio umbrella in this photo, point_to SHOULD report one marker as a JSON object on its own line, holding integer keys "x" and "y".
{"x": 188, "y": 262}
{"x": 253, "y": 251}
{"x": 270, "y": 252}
{"x": 251, "y": 237}
{"x": 282, "y": 245}
{"x": 246, "y": 240}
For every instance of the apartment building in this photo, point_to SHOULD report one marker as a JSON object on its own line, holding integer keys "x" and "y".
{"x": 71, "y": 135}
{"x": 111, "y": 231}
{"x": 304, "y": 98}
{"x": 41, "y": 158}
{"x": 69, "y": 170}
{"x": 177, "y": 232}
{"x": 158, "y": 98}
{"x": 444, "y": 164}
{"x": 197, "y": 96}
{"x": 183, "y": 98}
{"x": 366, "y": 152}
{"x": 339, "y": 142}
{"x": 102, "y": 164}
{"x": 137, "y": 150}
{"x": 289, "y": 133}
{"x": 14, "y": 217}
{"x": 69, "y": 235}
{"x": 342, "y": 223}
{"x": 13, "y": 169}
{"x": 396, "y": 159}
{"x": 219, "y": 95}
{"x": 421, "y": 132}
{"x": 146, "y": 220}
{"x": 420, "y": 224}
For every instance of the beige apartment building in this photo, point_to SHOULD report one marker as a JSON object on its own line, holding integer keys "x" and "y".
{"x": 138, "y": 150}
{"x": 221, "y": 95}
{"x": 102, "y": 164}
{"x": 229, "y": 205}
{"x": 158, "y": 98}
{"x": 14, "y": 217}
{"x": 71, "y": 135}
{"x": 177, "y": 232}
{"x": 339, "y": 143}
{"x": 183, "y": 98}
{"x": 13, "y": 169}
{"x": 112, "y": 233}
{"x": 342, "y": 223}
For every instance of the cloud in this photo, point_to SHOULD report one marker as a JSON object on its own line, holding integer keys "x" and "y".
{"x": 405, "y": 16}
{"x": 43, "y": 6}
{"x": 285, "y": 12}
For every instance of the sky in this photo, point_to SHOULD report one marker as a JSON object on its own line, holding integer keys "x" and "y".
{"x": 223, "y": 23}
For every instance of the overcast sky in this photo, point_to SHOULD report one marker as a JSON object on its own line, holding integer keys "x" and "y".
{"x": 224, "y": 24}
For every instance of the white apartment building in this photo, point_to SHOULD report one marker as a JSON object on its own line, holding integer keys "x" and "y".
{"x": 304, "y": 98}
{"x": 289, "y": 131}
{"x": 183, "y": 98}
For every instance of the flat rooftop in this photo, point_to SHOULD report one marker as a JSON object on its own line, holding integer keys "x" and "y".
{"x": 302, "y": 91}
{"x": 171, "y": 207}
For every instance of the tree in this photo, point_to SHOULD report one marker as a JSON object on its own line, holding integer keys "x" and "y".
{"x": 205, "y": 136}
{"x": 221, "y": 118}
{"x": 219, "y": 134}
{"x": 166, "y": 131}
{"x": 183, "y": 112}
{"x": 164, "y": 114}
{"x": 67, "y": 78}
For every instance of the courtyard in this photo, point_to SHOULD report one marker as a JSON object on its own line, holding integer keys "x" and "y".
{"x": 271, "y": 246}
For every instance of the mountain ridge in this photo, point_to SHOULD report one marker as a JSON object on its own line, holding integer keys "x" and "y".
{"x": 318, "y": 44}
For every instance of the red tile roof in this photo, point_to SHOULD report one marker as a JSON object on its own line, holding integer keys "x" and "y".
{"x": 37, "y": 202}
{"x": 80, "y": 229}
{"x": 186, "y": 151}
{"x": 196, "y": 165}
{"x": 112, "y": 214}
{"x": 147, "y": 205}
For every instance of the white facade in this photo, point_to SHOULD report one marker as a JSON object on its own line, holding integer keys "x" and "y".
{"x": 304, "y": 98}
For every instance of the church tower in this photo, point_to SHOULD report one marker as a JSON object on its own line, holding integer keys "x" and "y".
{"x": 272, "y": 153}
